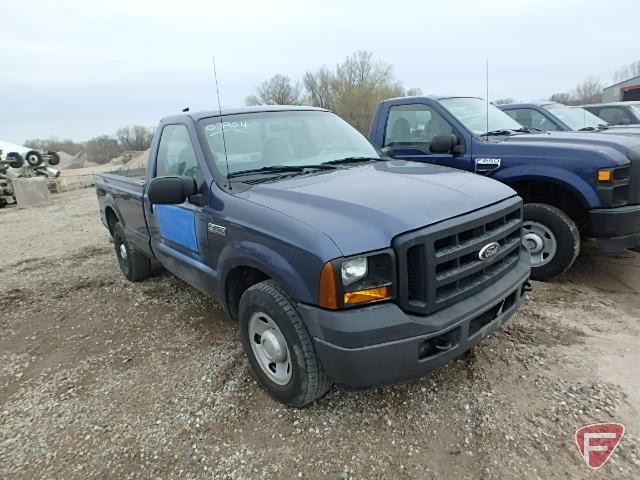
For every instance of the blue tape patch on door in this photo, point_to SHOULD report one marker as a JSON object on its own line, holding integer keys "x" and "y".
{"x": 177, "y": 225}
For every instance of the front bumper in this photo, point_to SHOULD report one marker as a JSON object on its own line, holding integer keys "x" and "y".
{"x": 616, "y": 228}
{"x": 381, "y": 344}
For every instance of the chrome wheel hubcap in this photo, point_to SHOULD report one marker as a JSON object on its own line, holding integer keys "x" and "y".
{"x": 540, "y": 241}
{"x": 270, "y": 348}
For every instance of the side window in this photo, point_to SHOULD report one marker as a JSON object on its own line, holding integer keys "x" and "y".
{"x": 414, "y": 125}
{"x": 614, "y": 116}
{"x": 175, "y": 153}
{"x": 541, "y": 122}
{"x": 530, "y": 118}
{"x": 521, "y": 115}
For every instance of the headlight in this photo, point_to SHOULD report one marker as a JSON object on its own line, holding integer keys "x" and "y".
{"x": 364, "y": 279}
{"x": 354, "y": 270}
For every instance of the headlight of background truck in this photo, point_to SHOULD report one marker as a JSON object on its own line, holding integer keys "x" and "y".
{"x": 353, "y": 281}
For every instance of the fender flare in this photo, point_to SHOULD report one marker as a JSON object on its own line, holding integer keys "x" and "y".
{"x": 563, "y": 178}
{"x": 271, "y": 263}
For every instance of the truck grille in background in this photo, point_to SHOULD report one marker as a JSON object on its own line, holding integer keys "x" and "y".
{"x": 634, "y": 182}
{"x": 439, "y": 265}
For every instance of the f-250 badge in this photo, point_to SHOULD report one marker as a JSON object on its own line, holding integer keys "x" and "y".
{"x": 484, "y": 165}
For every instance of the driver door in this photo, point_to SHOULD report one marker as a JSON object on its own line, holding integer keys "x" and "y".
{"x": 410, "y": 130}
{"x": 179, "y": 232}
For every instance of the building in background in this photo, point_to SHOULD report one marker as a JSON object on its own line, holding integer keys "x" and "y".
{"x": 622, "y": 91}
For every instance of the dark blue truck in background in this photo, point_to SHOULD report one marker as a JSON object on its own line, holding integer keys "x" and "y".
{"x": 340, "y": 265}
{"x": 573, "y": 183}
{"x": 553, "y": 116}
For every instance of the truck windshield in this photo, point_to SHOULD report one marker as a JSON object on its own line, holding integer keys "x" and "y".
{"x": 288, "y": 138}
{"x": 575, "y": 118}
{"x": 472, "y": 113}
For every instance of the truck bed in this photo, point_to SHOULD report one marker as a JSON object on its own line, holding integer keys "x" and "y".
{"x": 123, "y": 193}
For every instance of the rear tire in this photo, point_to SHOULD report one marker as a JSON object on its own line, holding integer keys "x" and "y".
{"x": 553, "y": 240}
{"x": 33, "y": 158}
{"x": 55, "y": 158}
{"x": 134, "y": 265}
{"x": 274, "y": 339}
{"x": 16, "y": 159}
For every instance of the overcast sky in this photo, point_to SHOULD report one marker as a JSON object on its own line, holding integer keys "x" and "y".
{"x": 77, "y": 69}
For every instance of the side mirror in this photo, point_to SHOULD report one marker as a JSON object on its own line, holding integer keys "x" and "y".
{"x": 171, "y": 190}
{"x": 443, "y": 143}
{"x": 388, "y": 151}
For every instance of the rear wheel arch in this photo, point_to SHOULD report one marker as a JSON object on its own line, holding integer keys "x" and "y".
{"x": 112, "y": 217}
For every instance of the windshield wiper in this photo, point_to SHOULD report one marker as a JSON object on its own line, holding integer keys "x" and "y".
{"x": 492, "y": 133}
{"x": 352, "y": 160}
{"x": 587, "y": 129}
{"x": 527, "y": 130}
{"x": 279, "y": 169}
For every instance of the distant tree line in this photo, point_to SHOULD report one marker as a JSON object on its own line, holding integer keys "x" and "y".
{"x": 590, "y": 89}
{"x": 99, "y": 149}
{"x": 352, "y": 89}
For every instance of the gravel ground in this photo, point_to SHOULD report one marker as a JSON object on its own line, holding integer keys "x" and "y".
{"x": 102, "y": 378}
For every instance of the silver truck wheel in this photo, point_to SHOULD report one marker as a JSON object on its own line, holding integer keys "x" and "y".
{"x": 552, "y": 239}
{"x": 540, "y": 241}
{"x": 270, "y": 348}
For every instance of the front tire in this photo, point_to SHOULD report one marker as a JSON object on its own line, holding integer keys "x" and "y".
{"x": 553, "y": 240}
{"x": 33, "y": 158}
{"x": 278, "y": 346}
{"x": 134, "y": 265}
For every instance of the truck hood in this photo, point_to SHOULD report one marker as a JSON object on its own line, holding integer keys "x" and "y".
{"x": 631, "y": 130}
{"x": 620, "y": 143}
{"x": 361, "y": 208}
{"x": 599, "y": 149}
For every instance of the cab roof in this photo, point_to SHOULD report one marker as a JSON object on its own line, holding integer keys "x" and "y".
{"x": 199, "y": 115}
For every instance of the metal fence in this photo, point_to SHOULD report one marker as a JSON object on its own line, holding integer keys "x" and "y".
{"x": 70, "y": 182}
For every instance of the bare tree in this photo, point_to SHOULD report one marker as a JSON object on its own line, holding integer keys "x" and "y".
{"x": 628, "y": 71}
{"x": 53, "y": 144}
{"x": 589, "y": 91}
{"x": 360, "y": 83}
{"x": 102, "y": 149}
{"x": 503, "y": 101}
{"x": 134, "y": 138}
{"x": 278, "y": 90}
{"x": 414, "y": 92}
{"x": 561, "y": 98}
{"x": 319, "y": 87}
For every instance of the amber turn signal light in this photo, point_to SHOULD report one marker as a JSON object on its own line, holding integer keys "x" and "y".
{"x": 328, "y": 296}
{"x": 369, "y": 295}
{"x": 605, "y": 175}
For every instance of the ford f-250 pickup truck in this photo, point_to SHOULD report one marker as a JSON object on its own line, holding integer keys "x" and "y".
{"x": 340, "y": 265}
{"x": 573, "y": 183}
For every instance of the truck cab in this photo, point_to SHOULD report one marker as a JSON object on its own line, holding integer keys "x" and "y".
{"x": 573, "y": 184}
{"x": 553, "y": 116}
{"x": 309, "y": 237}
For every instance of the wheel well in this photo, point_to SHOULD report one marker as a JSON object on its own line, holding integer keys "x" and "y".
{"x": 556, "y": 195}
{"x": 111, "y": 217}
{"x": 238, "y": 281}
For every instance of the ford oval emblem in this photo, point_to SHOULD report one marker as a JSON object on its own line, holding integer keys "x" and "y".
{"x": 489, "y": 251}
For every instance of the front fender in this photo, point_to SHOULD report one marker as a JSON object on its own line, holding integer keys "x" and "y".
{"x": 297, "y": 282}
{"x": 569, "y": 180}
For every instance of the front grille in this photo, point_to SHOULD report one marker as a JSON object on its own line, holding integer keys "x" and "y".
{"x": 634, "y": 185}
{"x": 440, "y": 265}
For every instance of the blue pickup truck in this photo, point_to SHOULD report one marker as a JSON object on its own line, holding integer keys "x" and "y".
{"x": 553, "y": 116}
{"x": 340, "y": 265}
{"x": 573, "y": 183}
